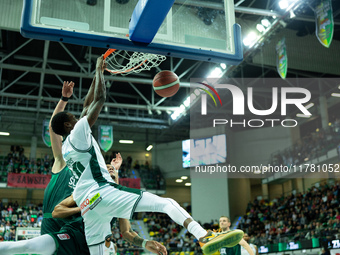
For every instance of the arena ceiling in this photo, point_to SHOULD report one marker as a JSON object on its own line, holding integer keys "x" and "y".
{"x": 32, "y": 71}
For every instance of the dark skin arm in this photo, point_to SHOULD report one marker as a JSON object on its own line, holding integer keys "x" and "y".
{"x": 56, "y": 143}
{"x": 89, "y": 98}
{"x": 132, "y": 237}
{"x": 66, "y": 208}
{"x": 99, "y": 93}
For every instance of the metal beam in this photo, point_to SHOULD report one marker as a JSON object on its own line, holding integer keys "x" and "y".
{"x": 81, "y": 75}
{"x": 141, "y": 95}
{"x": 101, "y": 116}
{"x": 16, "y": 50}
{"x": 112, "y": 105}
{"x": 73, "y": 57}
{"x": 42, "y": 76}
{"x": 220, "y": 6}
{"x": 312, "y": 19}
{"x": 256, "y": 11}
{"x": 17, "y": 79}
{"x": 50, "y": 86}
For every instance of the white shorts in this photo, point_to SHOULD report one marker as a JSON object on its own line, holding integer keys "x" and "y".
{"x": 101, "y": 205}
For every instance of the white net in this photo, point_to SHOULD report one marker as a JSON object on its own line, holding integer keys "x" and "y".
{"x": 122, "y": 62}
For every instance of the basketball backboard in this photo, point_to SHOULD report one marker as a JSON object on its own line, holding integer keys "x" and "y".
{"x": 198, "y": 30}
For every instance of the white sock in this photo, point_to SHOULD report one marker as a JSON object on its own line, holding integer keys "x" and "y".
{"x": 196, "y": 229}
{"x": 43, "y": 245}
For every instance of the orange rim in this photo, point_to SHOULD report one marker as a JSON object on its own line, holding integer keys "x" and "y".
{"x": 108, "y": 52}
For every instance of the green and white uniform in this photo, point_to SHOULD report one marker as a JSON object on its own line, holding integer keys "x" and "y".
{"x": 96, "y": 194}
{"x": 60, "y": 187}
{"x": 111, "y": 250}
{"x": 245, "y": 252}
{"x": 236, "y": 250}
{"x": 68, "y": 234}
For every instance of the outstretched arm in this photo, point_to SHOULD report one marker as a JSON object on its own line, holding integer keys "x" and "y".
{"x": 132, "y": 237}
{"x": 56, "y": 140}
{"x": 89, "y": 98}
{"x": 99, "y": 93}
{"x": 65, "y": 208}
{"x": 246, "y": 246}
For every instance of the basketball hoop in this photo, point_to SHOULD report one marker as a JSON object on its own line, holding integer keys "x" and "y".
{"x": 124, "y": 63}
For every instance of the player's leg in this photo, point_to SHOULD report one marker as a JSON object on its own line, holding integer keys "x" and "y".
{"x": 210, "y": 241}
{"x": 97, "y": 249}
{"x": 43, "y": 245}
{"x": 152, "y": 203}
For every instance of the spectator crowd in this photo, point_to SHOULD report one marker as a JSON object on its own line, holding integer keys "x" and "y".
{"x": 16, "y": 162}
{"x": 299, "y": 216}
{"x": 311, "y": 146}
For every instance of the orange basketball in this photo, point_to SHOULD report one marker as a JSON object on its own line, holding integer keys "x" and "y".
{"x": 166, "y": 83}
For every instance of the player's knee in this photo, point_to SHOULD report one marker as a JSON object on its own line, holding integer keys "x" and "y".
{"x": 171, "y": 203}
{"x": 29, "y": 246}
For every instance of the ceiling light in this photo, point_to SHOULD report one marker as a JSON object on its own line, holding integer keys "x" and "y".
{"x": 250, "y": 39}
{"x": 330, "y": 124}
{"x": 266, "y": 22}
{"x": 223, "y": 66}
{"x": 187, "y": 102}
{"x": 147, "y": 154}
{"x": 4, "y": 133}
{"x": 260, "y": 28}
{"x": 184, "y": 177}
{"x": 335, "y": 94}
{"x": 292, "y": 14}
{"x": 126, "y": 141}
{"x": 181, "y": 108}
{"x": 317, "y": 130}
{"x": 300, "y": 115}
{"x": 216, "y": 73}
{"x": 192, "y": 97}
{"x": 309, "y": 105}
{"x": 149, "y": 147}
{"x": 179, "y": 180}
{"x": 188, "y": 184}
{"x": 174, "y": 116}
{"x": 283, "y": 4}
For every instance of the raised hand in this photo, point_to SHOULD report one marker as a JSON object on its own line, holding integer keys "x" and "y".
{"x": 67, "y": 89}
{"x": 101, "y": 63}
{"x": 156, "y": 247}
{"x": 117, "y": 162}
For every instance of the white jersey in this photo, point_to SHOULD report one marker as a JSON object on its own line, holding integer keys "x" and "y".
{"x": 83, "y": 157}
{"x": 111, "y": 250}
{"x": 244, "y": 251}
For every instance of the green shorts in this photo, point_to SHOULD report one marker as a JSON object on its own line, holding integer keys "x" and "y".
{"x": 71, "y": 239}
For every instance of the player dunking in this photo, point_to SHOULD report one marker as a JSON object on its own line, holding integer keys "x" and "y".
{"x": 58, "y": 236}
{"x": 99, "y": 197}
{"x": 67, "y": 207}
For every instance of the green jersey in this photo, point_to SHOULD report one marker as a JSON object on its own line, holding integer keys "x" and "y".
{"x": 236, "y": 250}
{"x": 60, "y": 187}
